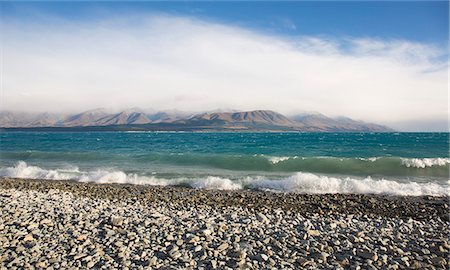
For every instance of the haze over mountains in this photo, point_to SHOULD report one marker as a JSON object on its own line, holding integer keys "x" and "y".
{"x": 137, "y": 119}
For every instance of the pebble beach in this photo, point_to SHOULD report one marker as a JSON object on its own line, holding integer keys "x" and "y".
{"x": 48, "y": 224}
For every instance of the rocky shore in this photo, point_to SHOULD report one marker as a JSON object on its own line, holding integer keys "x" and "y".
{"x": 72, "y": 225}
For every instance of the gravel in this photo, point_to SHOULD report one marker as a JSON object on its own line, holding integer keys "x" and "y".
{"x": 70, "y": 225}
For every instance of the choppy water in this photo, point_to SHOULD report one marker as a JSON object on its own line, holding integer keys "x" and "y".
{"x": 391, "y": 163}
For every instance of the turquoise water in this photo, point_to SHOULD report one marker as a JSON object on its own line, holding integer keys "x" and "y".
{"x": 398, "y": 163}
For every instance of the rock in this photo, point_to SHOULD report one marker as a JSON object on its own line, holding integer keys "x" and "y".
{"x": 367, "y": 255}
{"x": 345, "y": 262}
{"x": 46, "y": 221}
{"x": 42, "y": 264}
{"x": 80, "y": 256}
{"x": 81, "y": 237}
{"x": 32, "y": 226}
{"x": 222, "y": 247}
{"x": 239, "y": 255}
{"x": 117, "y": 221}
{"x": 175, "y": 254}
{"x": 193, "y": 239}
{"x": 416, "y": 265}
{"x": 153, "y": 261}
{"x": 262, "y": 218}
{"x": 439, "y": 261}
{"x": 313, "y": 232}
{"x": 324, "y": 256}
{"x": 236, "y": 239}
{"x": 206, "y": 232}
{"x": 28, "y": 237}
{"x": 202, "y": 229}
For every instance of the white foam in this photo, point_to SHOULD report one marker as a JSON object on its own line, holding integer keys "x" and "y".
{"x": 319, "y": 184}
{"x": 275, "y": 160}
{"x": 371, "y": 159}
{"x": 298, "y": 183}
{"x": 213, "y": 182}
{"x": 22, "y": 170}
{"x": 425, "y": 162}
{"x": 103, "y": 176}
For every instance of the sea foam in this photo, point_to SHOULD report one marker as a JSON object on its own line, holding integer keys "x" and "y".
{"x": 213, "y": 182}
{"x": 425, "y": 162}
{"x": 309, "y": 183}
{"x": 299, "y": 182}
{"x": 275, "y": 160}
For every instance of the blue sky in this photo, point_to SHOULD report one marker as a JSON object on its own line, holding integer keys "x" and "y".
{"x": 423, "y": 21}
{"x": 384, "y": 62}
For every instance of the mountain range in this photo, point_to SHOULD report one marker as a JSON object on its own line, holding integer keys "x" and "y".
{"x": 137, "y": 119}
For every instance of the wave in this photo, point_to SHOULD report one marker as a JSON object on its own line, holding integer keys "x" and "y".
{"x": 319, "y": 184}
{"x": 275, "y": 160}
{"x": 299, "y": 182}
{"x": 361, "y": 166}
{"x": 425, "y": 162}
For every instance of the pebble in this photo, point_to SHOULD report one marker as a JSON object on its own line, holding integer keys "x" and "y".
{"x": 28, "y": 237}
{"x": 262, "y": 218}
{"x": 222, "y": 247}
{"x": 116, "y": 221}
{"x": 313, "y": 232}
{"x": 66, "y": 228}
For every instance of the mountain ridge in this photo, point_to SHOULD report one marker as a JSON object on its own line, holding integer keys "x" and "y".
{"x": 136, "y": 119}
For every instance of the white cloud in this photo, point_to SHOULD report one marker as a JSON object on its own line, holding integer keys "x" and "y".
{"x": 168, "y": 62}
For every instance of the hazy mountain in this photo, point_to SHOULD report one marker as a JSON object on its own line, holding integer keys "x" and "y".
{"x": 263, "y": 117}
{"x": 24, "y": 119}
{"x": 11, "y": 119}
{"x": 127, "y": 117}
{"x": 136, "y": 119}
{"x": 45, "y": 120}
{"x": 168, "y": 116}
{"x": 87, "y": 118}
{"x": 320, "y": 122}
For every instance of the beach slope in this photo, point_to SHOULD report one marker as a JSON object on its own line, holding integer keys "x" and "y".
{"x": 65, "y": 224}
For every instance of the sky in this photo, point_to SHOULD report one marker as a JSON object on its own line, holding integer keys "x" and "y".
{"x": 384, "y": 62}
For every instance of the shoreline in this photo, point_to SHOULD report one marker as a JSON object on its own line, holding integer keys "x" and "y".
{"x": 393, "y": 206}
{"x": 52, "y": 224}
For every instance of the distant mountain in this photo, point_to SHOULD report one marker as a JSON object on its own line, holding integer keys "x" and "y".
{"x": 127, "y": 117}
{"x": 87, "y": 118}
{"x": 136, "y": 119}
{"x": 320, "y": 122}
{"x": 11, "y": 119}
{"x": 167, "y": 117}
{"x": 255, "y": 117}
{"x": 24, "y": 119}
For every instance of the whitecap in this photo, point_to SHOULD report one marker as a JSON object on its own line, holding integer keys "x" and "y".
{"x": 300, "y": 182}
{"x": 425, "y": 162}
{"x": 319, "y": 184}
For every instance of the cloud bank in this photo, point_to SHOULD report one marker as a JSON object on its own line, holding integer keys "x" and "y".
{"x": 169, "y": 62}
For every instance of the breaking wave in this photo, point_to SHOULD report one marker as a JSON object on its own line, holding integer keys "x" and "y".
{"x": 319, "y": 184}
{"x": 299, "y": 182}
{"x": 425, "y": 162}
{"x": 275, "y": 160}
{"x": 361, "y": 166}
